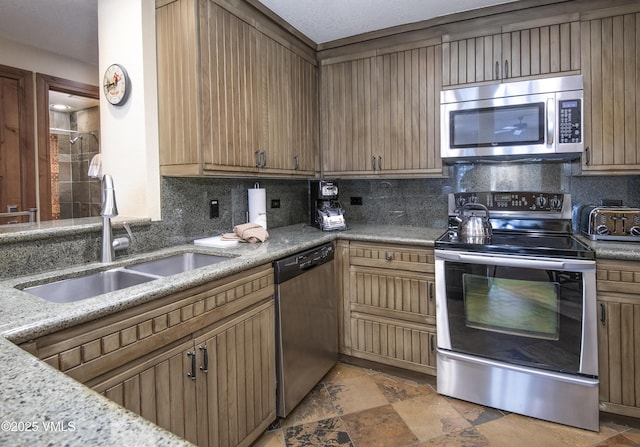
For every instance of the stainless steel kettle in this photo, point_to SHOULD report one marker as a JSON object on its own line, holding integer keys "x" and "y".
{"x": 474, "y": 228}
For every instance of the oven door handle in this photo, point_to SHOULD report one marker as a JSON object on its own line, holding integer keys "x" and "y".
{"x": 511, "y": 261}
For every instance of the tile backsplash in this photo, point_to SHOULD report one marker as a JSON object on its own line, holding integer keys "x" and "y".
{"x": 414, "y": 202}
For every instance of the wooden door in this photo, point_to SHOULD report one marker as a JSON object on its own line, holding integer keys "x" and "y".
{"x": 377, "y": 114}
{"x": 610, "y": 67}
{"x": 17, "y": 162}
{"x": 236, "y": 398}
{"x": 619, "y": 354}
{"x": 160, "y": 389}
{"x": 232, "y": 90}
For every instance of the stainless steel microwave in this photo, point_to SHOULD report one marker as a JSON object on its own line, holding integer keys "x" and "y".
{"x": 535, "y": 119}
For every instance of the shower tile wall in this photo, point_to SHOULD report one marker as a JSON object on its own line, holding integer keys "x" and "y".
{"x": 79, "y": 195}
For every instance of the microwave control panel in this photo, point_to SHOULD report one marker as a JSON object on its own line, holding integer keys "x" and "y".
{"x": 570, "y": 121}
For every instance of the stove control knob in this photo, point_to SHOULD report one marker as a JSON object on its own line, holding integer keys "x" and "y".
{"x": 635, "y": 231}
{"x": 555, "y": 203}
{"x": 541, "y": 201}
{"x": 602, "y": 230}
{"x": 460, "y": 201}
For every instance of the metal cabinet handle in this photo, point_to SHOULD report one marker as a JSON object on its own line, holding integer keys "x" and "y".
{"x": 432, "y": 343}
{"x": 497, "y": 70}
{"x": 373, "y": 162}
{"x": 296, "y": 161}
{"x": 603, "y": 314}
{"x": 430, "y": 291}
{"x": 205, "y": 364}
{"x": 587, "y": 156}
{"x": 258, "y": 158}
{"x": 506, "y": 69}
{"x": 264, "y": 159}
{"x": 192, "y": 374}
{"x": 379, "y": 162}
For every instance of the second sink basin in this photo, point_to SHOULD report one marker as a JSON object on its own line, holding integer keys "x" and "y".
{"x": 94, "y": 284}
{"x": 176, "y": 264}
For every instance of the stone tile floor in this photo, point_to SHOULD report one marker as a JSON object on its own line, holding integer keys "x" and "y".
{"x": 359, "y": 407}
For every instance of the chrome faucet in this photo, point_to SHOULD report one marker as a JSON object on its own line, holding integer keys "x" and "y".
{"x": 109, "y": 210}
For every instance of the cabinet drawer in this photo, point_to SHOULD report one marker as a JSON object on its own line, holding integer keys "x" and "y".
{"x": 618, "y": 276}
{"x": 403, "y": 345}
{"x": 94, "y": 348}
{"x": 396, "y": 294}
{"x": 397, "y": 257}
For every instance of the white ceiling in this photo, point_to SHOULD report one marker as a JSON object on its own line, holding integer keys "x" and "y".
{"x": 327, "y": 20}
{"x": 70, "y": 27}
{"x": 66, "y": 27}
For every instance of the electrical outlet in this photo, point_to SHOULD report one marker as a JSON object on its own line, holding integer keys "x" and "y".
{"x": 356, "y": 200}
{"x": 214, "y": 209}
{"x": 275, "y": 203}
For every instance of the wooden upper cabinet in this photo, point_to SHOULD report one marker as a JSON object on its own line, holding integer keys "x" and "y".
{"x": 379, "y": 114}
{"x": 232, "y": 98}
{"x": 610, "y": 67}
{"x": 528, "y": 49}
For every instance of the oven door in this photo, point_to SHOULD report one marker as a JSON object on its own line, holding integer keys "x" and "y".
{"x": 528, "y": 311}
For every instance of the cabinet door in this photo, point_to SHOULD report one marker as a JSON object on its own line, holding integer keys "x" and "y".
{"x": 518, "y": 51}
{"x": 375, "y": 116}
{"x": 232, "y": 90}
{"x": 610, "y": 66}
{"x": 161, "y": 390}
{"x": 619, "y": 354}
{"x": 236, "y": 387}
{"x": 288, "y": 140}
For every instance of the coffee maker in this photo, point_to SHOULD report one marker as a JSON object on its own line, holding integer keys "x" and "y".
{"x": 325, "y": 210}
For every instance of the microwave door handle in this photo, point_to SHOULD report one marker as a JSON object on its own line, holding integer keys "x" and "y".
{"x": 551, "y": 114}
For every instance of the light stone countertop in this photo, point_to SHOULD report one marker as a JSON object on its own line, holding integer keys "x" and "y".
{"x": 42, "y": 406}
{"x": 65, "y": 412}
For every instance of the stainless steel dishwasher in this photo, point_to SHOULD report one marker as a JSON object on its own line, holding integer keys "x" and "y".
{"x": 306, "y": 323}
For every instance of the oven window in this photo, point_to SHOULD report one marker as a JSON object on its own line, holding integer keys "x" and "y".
{"x": 512, "y": 306}
{"x": 513, "y": 125}
{"x": 518, "y": 315}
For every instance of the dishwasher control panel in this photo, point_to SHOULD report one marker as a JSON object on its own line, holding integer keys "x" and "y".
{"x": 292, "y": 266}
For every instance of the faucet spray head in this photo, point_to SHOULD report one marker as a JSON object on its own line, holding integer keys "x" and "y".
{"x": 109, "y": 207}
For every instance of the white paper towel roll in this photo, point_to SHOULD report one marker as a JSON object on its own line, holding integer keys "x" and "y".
{"x": 258, "y": 206}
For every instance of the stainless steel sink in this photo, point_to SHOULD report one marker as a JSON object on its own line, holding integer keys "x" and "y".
{"x": 87, "y": 286}
{"x": 176, "y": 264}
{"x": 94, "y": 284}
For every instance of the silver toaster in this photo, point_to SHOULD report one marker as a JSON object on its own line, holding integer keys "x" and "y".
{"x": 610, "y": 223}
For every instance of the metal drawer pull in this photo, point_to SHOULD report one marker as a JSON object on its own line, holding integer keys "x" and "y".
{"x": 373, "y": 162}
{"x": 430, "y": 291}
{"x": 380, "y": 163}
{"x": 205, "y": 366}
{"x": 192, "y": 374}
{"x": 388, "y": 256}
{"x": 497, "y": 70}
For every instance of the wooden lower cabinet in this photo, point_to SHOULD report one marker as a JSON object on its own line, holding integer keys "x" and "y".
{"x": 618, "y": 284}
{"x": 388, "y": 309}
{"x": 216, "y": 390}
{"x": 200, "y": 363}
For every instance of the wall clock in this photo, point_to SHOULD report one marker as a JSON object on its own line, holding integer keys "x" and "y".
{"x": 116, "y": 84}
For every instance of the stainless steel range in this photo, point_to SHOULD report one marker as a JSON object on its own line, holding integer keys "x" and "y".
{"x": 516, "y": 313}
